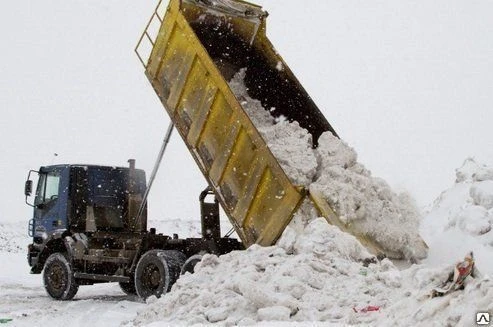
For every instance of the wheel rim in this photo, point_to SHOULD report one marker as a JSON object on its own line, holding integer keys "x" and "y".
{"x": 152, "y": 278}
{"x": 56, "y": 278}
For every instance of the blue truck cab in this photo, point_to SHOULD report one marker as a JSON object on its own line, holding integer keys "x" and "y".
{"x": 79, "y": 198}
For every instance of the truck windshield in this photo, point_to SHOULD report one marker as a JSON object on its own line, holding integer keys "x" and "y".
{"x": 48, "y": 188}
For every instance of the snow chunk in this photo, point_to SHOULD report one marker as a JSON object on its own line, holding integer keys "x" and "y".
{"x": 390, "y": 276}
{"x": 335, "y": 153}
{"x": 260, "y": 117}
{"x": 472, "y": 219}
{"x": 324, "y": 240}
{"x": 287, "y": 239}
{"x": 274, "y": 313}
{"x": 471, "y": 171}
{"x": 279, "y": 66}
{"x": 217, "y": 314}
{"x": 482, "y": 194}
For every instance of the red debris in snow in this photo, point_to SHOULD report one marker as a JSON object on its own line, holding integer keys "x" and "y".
{"x": 367, "y": 309}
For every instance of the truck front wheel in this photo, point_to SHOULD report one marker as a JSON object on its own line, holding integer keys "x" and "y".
{"x": 59, "y": 278}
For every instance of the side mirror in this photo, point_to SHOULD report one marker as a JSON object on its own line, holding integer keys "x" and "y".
{"x": 28, "y": 188}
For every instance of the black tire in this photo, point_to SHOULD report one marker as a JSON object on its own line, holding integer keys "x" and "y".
{"x": 58, "y": 277}
{"x": 157, "y": 271}
{"x": 128, "y": 288}
{"x": 189, "y": 265}
{"x": 175, "y": 260}
{"x": 152, "y": 274}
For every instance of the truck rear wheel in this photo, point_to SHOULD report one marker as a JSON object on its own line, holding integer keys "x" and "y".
{"x": 157, "y": 271}
{"x": 176, "y": 260}
{"x": 58, "y": 277}
{"x": 152, "y": 274}
{"x": 189, "y": 265}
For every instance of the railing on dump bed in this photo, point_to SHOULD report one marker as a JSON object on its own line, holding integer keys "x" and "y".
{"x": 150, "y": 34}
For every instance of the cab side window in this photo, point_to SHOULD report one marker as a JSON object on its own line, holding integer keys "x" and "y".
{"x": 48, "y": 188}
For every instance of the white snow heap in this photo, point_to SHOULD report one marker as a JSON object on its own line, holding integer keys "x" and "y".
{"x": 463, "y": 213}
{"x": 313, "y": 276}
{"x": 366, "y": 203}
{"x": 473, "y": 210}
{"x": 268, "y": 284}
{"x": 413, "y": 306}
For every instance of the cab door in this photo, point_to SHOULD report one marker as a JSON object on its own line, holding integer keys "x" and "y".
{"x": 50, "y": 205}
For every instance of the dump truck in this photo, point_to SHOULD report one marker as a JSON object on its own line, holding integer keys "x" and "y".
{"x": 90, "y": 222}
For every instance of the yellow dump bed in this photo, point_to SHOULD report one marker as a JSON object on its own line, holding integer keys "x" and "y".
{"x": 197, "y": 47}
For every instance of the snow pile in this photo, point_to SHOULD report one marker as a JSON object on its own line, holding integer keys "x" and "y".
{"x": 318, "y": 275}
{"x": 322, "y": 279}
{"x": 13, "y": 237}
{"x": 463, "y": 213}
{"x": 360, "y": 200}
{"x": 413, "y": 307}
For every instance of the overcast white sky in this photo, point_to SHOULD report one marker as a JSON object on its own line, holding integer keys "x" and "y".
{"x": 407, "y": 83}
